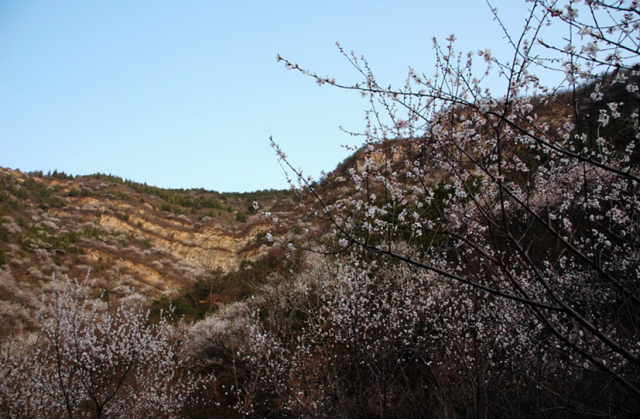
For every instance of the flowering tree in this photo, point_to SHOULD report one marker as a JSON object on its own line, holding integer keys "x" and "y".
{"x": 91, "y": 360}
{"x": 373, "y": 337}
{"x": 528, "y": 199}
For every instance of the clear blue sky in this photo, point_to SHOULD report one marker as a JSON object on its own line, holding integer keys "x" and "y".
{"x": 183, "y": 94}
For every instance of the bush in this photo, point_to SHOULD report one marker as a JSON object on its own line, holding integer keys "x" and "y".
{"x": 90, "y": 359}
{"x": 241, "y": 217}
{"x": 347, "y": 339}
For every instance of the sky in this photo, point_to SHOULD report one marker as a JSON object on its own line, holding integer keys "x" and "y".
{"x": 187, "y": 93}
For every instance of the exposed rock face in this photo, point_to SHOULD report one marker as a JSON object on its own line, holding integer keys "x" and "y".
{"x": 211, "y": 246}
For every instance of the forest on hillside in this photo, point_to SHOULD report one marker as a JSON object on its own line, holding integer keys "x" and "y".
{"x": 479, "y": 257}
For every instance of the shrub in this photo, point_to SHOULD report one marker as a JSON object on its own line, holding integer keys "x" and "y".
{"x": 90, "y": 359}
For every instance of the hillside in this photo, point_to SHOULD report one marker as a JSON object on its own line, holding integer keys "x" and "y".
{"x": 136, "y": 241}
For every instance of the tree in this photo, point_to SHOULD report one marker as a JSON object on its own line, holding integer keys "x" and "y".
{"x": 366, "y": 336}
{"x": 528, "y": 199}
{"x": 92, "y": 360}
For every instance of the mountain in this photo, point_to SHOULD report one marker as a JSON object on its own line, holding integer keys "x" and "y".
{"x": 132, "y": 240}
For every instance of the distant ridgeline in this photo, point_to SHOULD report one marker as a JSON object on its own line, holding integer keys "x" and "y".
{"x": 172, "y": 196}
